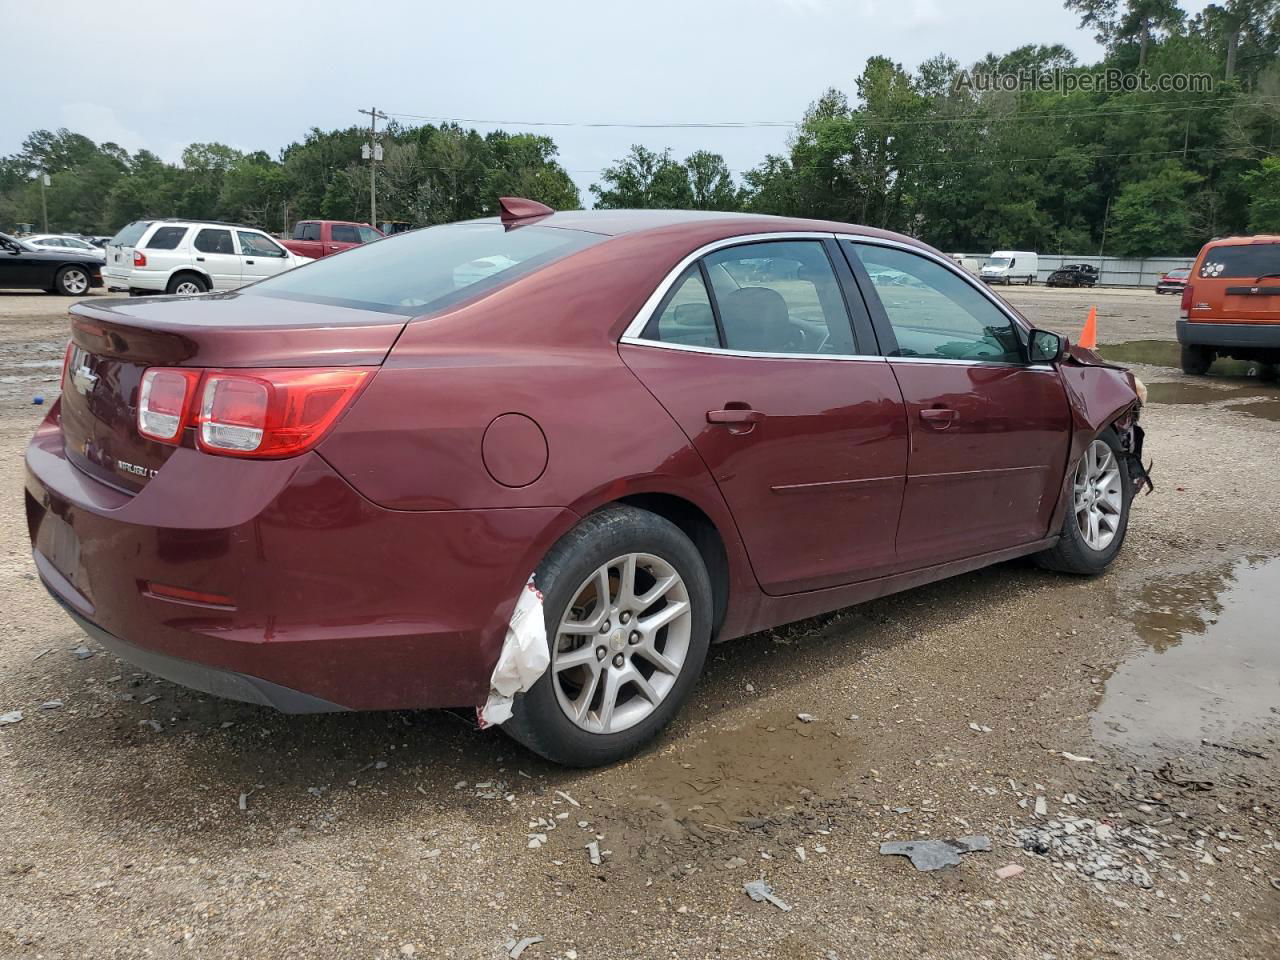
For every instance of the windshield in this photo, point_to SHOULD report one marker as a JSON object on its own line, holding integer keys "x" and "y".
{"x": 1250, "y": 260}
{"x": 1178, "y": 274}
{"x": 998, "y": 262}
{"x": 426, "y": 270}
{"x": 20, "y": 244}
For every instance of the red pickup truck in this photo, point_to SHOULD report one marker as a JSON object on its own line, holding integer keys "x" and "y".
{"x": 319, "y": 238}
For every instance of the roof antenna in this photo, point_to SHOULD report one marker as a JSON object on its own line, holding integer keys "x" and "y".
{"x": 518, "y": 208}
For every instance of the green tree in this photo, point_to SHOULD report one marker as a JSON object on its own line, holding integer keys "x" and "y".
{"x": 1263, "y": 185}
{"x": 644, "y": 179}
{"x": 1153, "y": 215}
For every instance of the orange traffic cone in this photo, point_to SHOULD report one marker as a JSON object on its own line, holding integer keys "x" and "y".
{"x": 1089, "y": 335}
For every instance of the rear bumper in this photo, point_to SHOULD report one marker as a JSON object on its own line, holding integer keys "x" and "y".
{"x": 221, "y": 683}
{"x": 1259, "y": 335}
{"x": 336, "y": 603}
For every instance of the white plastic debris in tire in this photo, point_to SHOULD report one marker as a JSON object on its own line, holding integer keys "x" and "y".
{"x": 524, "y": 657}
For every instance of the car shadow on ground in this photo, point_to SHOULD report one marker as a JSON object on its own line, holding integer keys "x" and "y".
{"x": 165, "y": 758}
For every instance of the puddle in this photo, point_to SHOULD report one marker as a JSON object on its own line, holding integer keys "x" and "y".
{"x": 1210, "y": 668}
{"x": 1183, "y": 392}
{"x": 732, "y": 780}
{"x": 1266, "y": 409}
{"x": 1166, "y": 353}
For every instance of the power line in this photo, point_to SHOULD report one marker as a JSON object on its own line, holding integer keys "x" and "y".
{"x": 1171, "y": 106}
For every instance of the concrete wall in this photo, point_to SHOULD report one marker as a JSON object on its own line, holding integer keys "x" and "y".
{"x": 1113, "y": 271}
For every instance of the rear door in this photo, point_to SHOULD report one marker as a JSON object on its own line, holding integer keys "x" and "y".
{"x": 1237, "y": 283}
{"x": 752, "y": 353}
{"x": 215, "y": 252}
{"x": 260, "y": 256}
{"x": 342, "y": 236}
{"x": 306, "y": 239}
{"x": 989, "y": 432}
{"x": 119, "y": 251}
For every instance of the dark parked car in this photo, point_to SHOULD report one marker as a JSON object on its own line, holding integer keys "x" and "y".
{"x": 57, "y": 271}
{"x": 1175, "y": 281}
{"x": 372, "y": 482}
{"x": 1073, "y": 275}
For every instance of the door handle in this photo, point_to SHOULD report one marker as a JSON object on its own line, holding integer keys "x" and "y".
{"x": 939, "y": 417}
{"x": 200, "y": 259}
{"x": 736, "y": 415}
{"x": 249, "y": 262}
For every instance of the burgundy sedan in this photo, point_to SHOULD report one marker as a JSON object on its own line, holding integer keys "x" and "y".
{"x": 538, "y": 462}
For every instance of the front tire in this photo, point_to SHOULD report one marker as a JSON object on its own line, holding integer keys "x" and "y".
{"x": 628, "y": 609}
{"x": 1097, "y": 517}
{"x": 72, "y": 282}
{"x": 1196, "y": 360}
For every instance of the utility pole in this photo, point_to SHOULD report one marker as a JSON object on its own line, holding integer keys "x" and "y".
{"x": 44, "y": 202}
{"x": 372, "y": 152}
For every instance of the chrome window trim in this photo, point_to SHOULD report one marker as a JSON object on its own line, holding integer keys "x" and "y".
{"x": 748, "y": 354}
{"x": 645, "y": 313}
{"x": 949, "y": 264}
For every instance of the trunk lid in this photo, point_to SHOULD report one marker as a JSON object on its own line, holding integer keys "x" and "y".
{"x": 113, "y": 344}
{"x": 119, "y": 249}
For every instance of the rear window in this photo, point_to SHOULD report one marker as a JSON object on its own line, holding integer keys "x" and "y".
{"x": 426, "y": 270}
{"x": 131, "y": 233}
{"x": 166, "y": 238}
{"x": 1252, "y": 260}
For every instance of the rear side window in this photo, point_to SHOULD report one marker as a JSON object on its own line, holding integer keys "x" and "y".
{"x": 130, "y": 233}
{"x": 1251, "y": 260}
{"x": 166, "y": 238}
{"x": 687, "y": 317}
{"x": 214, "y": 241}
{"x": 306, "y": 231}
{"x": 344, "y": 233}
{"x": 428, "y": 269}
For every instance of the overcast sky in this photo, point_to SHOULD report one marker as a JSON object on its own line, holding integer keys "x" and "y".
{"x": 257, "y": 75}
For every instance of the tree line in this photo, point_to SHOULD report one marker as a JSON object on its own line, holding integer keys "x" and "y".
{"x": 964, "y": 166}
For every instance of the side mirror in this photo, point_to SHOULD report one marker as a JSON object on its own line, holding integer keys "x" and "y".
{"x": 1046, "y": 346}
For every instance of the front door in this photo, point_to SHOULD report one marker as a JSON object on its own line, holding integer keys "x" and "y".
{"x": 260, "y": 256}
{"x": 752, "y": 354}
{"x": 215, "y": 252}
{"x": 989, "y": 432}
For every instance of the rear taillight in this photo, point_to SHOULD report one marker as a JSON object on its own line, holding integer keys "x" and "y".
{"x": 1187, "y": 293}
{"x": 247, "y": 413}
{"x": 164, "y": 398}
{"x": 66, "y": 365}
{"x": 139, "y": 258}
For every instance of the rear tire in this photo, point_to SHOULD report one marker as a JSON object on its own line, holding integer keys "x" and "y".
{"x": 1196, "y": 359}
{"x": 186, "y": 284}
{"x": 1074, "y": 553}
{"x": 72, "y": 281}
{"x": 558, "y": 717}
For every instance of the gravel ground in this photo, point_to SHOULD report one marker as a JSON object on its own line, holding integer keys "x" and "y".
{"x": 1115, "y": 738}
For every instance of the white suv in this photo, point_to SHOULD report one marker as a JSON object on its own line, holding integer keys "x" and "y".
{"x": 192, "y": 256}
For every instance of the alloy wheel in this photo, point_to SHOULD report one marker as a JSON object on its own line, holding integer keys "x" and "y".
{"x": 621, "y": 643}
{"x": 1098, "y": 495}
{"x": 186, "y": 288}
{"x": 75, "y": 281}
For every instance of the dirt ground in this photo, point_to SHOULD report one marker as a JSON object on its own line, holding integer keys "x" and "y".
{"x": 1116, "y": 738}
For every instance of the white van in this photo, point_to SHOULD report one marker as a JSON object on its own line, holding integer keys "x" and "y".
{"x": 1011, "y": 266}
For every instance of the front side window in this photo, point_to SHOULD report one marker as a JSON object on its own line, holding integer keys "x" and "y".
{"x": 933, "y": 312}
{"x": 368, "y": 234}
{"x": 256, "y": 245}
{"x": 344, "y": 233}
{"x": 166, "y": 238}
{"x": 428, "y": 269}
{"x": 214, "y": 241}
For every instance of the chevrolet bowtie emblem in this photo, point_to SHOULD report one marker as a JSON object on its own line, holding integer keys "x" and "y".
{"x": 84, "y": 379}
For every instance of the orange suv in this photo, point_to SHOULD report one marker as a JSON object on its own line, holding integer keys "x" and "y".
{"x": 1231, "y": 303}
